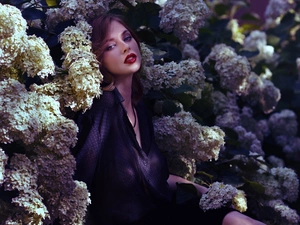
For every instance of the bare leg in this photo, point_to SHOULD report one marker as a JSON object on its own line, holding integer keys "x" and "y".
{"x": 236, "y": 218}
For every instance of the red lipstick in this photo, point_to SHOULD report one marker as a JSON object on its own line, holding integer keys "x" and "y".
{"x": 130, "y": 58}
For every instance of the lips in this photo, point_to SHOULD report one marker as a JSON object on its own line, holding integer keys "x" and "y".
{"x": 130, "y": 58}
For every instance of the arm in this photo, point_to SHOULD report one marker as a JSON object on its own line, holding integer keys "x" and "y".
{"x": 173, "y": 179}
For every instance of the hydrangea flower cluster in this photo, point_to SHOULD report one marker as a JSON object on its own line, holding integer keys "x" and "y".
{"x": 78, "y": 10}
{"x": 173, "y": 75}
{"x": 181, "y": 134}
{"x": 276, "y": 9}
{"x": 189, "y": 52}
{"x": 237, "y": 35}
{"x": 230, "y": 116}
{"x": 22, "y": 175}
{"x": 283, "y": 127}
{"x": 289, "y": 215}
{"x": 3, "y": 161}
{"x": 183, "y": 17}
{"x": 78, "y": 88}
{"x": 232, "y": 68}
{"x": 36, "y": 120}
{"x": 30, "y": 54}
{"x": 257, "y": 40}
{"x": 218, "y": 195}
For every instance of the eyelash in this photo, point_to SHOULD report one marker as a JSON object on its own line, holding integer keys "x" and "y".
{"x": 126, "y": 39}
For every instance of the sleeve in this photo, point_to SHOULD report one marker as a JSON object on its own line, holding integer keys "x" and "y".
{"x": 88, "y": 148}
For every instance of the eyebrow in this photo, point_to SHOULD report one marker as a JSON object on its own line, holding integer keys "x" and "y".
{"x": 124, "y": 32}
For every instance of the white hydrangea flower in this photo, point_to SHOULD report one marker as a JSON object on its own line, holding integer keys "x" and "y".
{"x": 173, "y": 75}
{"x": 76, "y": 38}
{"x": 3, "y": 161}
{"x": 21, "y": 175}
{"x": 13, "y": 222}
{"x": 19, "y": 117}
{"x": 230, "y": 119}
{"x": 183, "y": 17}
{"x": 283, "y": 123}
{"x": 289, "y": 182}
{"x": 233, "y": 69}
{"x": 189, "y": 52}
{"x": 262, "y": 92}
{"x": 73, "y": 207}
{"x": 291, "y": 147}
{"x": 275, "y": 161}
{"x": 80, "y": 86}
{"x": 276, "y": 9}
{"x": 239, "y": 201}
{"x": 160, "y": 2}
{"x": 182, "y": 134}
{"x": 11, "y": 21}
{"x": 83, "y": 9}
{"x": 249, "y": 140}
{"x": 36, "y": 58}
{"x": 257, "y": 40}
{"x": 32, "y": 203}
{"x": 11, "y": 48}
{"x": 285, "y": 211}
{"x": 218, "y": 195}
{"x": 237, "y": 35}
{"x": 147, "y": 55}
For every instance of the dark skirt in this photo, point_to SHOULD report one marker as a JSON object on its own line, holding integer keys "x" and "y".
{"x": 185, "y": 213}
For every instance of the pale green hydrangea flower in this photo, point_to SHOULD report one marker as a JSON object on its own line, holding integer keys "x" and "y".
{"x": 79, "y": 200}
{"x": 173, "y": 75}
{"x": 233, "y": 69}
{"x": 285, "y": 211}
{"x": 237, "y": 35}
{"x": 257, "y": 40}
{"x": 189, "y": 52}
{"x": 3, "y": 161}
{"x": 289, "y": 182}
{"x": 276, "y": 9}
{"x": 11, "y": 21}
{"x": 182, "y": 134}
{"x": 283, "y": 123}
{"x": 183, "y": 17}
{"x": 76, "y": 38}
{"x": 239, "y": 201}
{"x": 217, "y": 196}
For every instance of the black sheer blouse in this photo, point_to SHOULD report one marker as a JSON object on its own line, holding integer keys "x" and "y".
{"x": 125, "y": 180}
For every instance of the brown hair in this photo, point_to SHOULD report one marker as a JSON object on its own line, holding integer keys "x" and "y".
{"x": 100, "y": 27}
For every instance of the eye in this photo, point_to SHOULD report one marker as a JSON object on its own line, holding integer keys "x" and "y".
{"x": 110, "y": 47}
{"x": 127, "y": 38}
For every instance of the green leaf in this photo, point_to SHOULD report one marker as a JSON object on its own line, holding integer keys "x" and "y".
{"x": 169, "y": 108}
{"x": 183, "y": 88}
{"x": 221, "y": 9}
{"x": 52, "y": 3}
{"x": 185, "y": 99}
{"x": 257, "y": 187}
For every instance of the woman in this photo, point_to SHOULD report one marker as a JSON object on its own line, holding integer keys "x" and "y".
{"x": 116, "y": 154}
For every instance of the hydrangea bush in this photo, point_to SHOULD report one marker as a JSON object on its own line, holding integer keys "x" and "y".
{"x": 223, "y": 91}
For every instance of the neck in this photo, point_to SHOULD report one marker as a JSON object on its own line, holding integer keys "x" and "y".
{"x": 124, "y": 86}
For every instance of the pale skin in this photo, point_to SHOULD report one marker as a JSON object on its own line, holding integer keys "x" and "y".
{"x": 119, "y": 45}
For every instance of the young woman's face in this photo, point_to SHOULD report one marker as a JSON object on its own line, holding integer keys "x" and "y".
{"x": 122, "y": 55}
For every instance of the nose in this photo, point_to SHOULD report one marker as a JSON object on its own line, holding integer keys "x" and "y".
{"x": 125, "y": 47}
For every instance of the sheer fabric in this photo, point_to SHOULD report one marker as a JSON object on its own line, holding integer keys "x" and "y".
{"x": 126, "y": 181}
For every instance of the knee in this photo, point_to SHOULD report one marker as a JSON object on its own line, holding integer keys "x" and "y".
{"x": 236, "y": 218}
